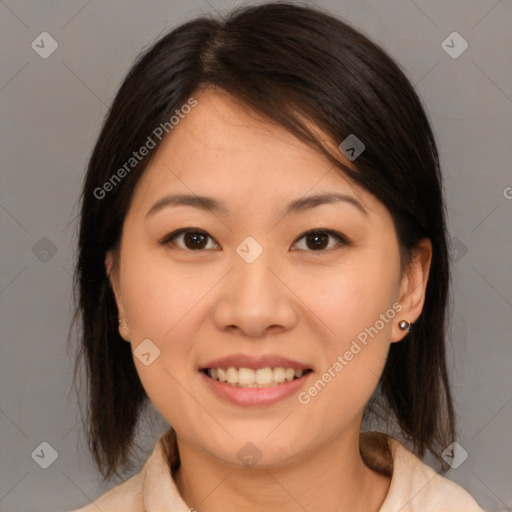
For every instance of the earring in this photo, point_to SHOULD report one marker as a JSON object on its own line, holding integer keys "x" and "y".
{"x": 125, "y": 325}
{"x": 405, "y": 325}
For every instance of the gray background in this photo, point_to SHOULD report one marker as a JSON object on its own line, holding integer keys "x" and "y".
{"x": 51, "y": 112}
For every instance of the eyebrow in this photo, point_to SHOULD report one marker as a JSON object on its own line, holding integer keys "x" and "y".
{"x": 209, "y": 203}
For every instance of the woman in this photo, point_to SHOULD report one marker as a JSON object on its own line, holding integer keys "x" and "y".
{"x": 262, "y": 224}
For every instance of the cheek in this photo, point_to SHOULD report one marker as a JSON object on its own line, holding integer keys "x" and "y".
{"x": 349, "y": 300}
{"x": 158, "y": 305}
{"x": 357, "y": 308}
{"x": 158, "y": 294}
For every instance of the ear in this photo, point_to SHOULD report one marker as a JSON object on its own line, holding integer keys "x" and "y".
{"x": 113, "y": 278}
{"x": 413, "y": 287}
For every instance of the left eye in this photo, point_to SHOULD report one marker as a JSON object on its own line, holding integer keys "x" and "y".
{"x": 196, "y": 239}
{"x": 318, "y": 239}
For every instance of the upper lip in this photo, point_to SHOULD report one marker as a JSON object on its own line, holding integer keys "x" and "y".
{"x": 255, "y": 362}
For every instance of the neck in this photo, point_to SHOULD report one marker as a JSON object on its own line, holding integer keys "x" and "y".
{"x": 331, "y": 478}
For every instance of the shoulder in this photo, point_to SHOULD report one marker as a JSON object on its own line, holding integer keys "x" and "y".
{"x": 153, "y": 488}
{"x": 125, "y": 497}
{"x": 416, "y": 487}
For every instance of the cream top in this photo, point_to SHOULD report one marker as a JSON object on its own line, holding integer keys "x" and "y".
{"x": 415, "y": 486}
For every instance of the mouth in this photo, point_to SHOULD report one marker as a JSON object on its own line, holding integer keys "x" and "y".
{"x": 267, "y": 377}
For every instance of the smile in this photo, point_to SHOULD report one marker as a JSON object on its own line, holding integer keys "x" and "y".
{"x": 251, "y": 378}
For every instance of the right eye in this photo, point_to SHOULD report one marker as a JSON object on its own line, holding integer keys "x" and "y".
{"x": 191, "y": 239}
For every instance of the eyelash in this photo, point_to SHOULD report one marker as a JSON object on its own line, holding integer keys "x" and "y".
{"x": 343, "y": 240}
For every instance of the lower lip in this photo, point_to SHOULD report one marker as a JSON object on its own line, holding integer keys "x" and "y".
{"x": 255, "y": 396}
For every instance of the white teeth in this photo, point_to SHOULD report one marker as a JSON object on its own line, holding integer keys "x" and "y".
{"x": 250, "y": 378}
{"x": 246, "y": 377}
{"x": 279, "y": 374}
{"x": 232, "y": 375}
{"x": 264, "y": 376}
{"x": 289, "y": 373}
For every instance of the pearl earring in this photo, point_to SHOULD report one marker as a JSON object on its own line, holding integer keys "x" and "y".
{"x": 125, "y": 325}
{"x": 405, "y": 325}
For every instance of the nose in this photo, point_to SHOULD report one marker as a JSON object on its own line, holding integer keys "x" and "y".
{"x": 255, "y": 298}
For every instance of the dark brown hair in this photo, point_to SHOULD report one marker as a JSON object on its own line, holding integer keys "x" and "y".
{"x": 299, "y": 67}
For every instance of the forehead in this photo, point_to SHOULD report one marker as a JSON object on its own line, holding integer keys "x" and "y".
{"x": 224, "y": 149}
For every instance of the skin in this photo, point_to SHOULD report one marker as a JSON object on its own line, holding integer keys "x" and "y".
{"x": 304, "y": 304}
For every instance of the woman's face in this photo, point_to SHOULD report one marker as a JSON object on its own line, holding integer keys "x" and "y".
{"x": 254, "y": 283}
